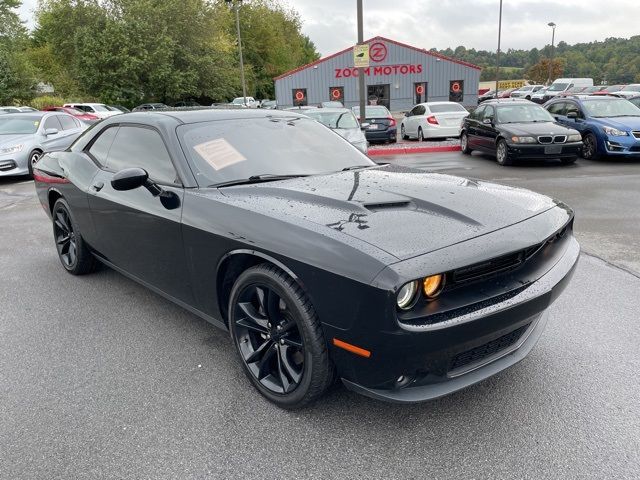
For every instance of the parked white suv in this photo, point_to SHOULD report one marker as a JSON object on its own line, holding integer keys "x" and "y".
{"x": 98, "y": 109}
{"x": 526, "y": 91}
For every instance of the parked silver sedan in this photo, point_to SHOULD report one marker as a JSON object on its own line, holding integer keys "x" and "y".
{"x": 343, "y": 122}
{"x": 24, "y": 137}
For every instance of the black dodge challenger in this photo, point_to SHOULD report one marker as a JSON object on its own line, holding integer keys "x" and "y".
{"x": 403, "y": 284}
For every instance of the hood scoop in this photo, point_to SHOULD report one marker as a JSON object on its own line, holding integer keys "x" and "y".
{"x": 391, "y": 205}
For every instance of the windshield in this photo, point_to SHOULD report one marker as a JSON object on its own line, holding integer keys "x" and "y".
{"x": 341, "y": 120}
{"x": 23, "y": 125}
{"x": 227, "y": 150}
{"x": 373, "y": 111}
{"x": 611, "y": 108}
{"x": 557, "y": 87}
{"x": 449, "y": 107}
{"x": 522, "y": 114}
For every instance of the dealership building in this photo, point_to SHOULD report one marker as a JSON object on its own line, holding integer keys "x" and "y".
{"x": 399, "y": 76}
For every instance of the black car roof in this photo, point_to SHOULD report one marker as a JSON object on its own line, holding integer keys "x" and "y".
{"x": 196, "y": 116}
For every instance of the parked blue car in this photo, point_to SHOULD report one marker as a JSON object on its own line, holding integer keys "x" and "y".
{"x": 609, "y": 125}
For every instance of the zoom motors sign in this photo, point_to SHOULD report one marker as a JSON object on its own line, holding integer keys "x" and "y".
{"x": 380, "y": 70}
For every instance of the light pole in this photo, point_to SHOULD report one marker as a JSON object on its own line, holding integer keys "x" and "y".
{"x": 553, "y": 38}
{"x": 361, "y": 70}
{"x": 235, "y": 5}
{"x": 498, "y": 51}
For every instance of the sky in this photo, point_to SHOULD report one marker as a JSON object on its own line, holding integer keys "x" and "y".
{"x": 331, "y": 24}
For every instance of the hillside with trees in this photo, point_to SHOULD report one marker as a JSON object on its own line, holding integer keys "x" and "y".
{"x": 614, "y": 60}
{"x": 134, "y": 51}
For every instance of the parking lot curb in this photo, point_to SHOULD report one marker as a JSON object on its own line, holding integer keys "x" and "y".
{"x": 410, "y": 150}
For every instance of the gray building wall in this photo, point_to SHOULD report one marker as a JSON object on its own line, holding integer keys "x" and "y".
{"x": 437, "y": 72}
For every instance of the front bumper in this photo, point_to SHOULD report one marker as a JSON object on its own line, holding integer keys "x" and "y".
{"x": 14, "y": 164}
{"x": 435, "y": 360}
{"x": 622, "y": 146}
{"x": 538, "y": 151}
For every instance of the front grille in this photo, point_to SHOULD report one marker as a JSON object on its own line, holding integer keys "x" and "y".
{"x": 636, "y": 134}
{"x": 490, "y": 267}
{"x": 559, "y": 139}
{"x": 7, "y": 165}
{"x": 478, "y": 354}
{"x": 545, "y": 139}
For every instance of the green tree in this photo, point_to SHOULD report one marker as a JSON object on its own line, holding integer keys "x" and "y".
{"x": 539, "y": 73}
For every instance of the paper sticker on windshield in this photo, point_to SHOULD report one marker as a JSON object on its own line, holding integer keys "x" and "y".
{"x": 219, "y": 153}
{"x": 36, "y": 123}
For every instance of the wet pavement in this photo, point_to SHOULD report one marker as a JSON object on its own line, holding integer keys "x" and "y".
{"x": 101, "y": 378}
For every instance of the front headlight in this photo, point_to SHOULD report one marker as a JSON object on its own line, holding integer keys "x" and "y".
{"x": 524, "y": 140}
{"x": 407, "y": 295}
{"x": 574, "y": 138}
{"x": 615, "y": 132}
{"x": 12, "y": 149}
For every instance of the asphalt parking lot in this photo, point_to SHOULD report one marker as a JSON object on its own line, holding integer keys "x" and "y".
{"x": 100, "y": 378}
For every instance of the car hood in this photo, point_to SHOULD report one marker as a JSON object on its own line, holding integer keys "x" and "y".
{"x": 403, "y": 212}
{"x": 542, "y": 128}
{"x": 12, "y": 139}
{"x": 621, "y": 123}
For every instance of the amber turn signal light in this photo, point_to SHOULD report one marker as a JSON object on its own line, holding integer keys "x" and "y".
{"x": 433, "y": 285}
{"x": 351, "y": 348}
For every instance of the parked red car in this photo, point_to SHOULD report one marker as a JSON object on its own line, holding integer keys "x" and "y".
{"x": 506, "y": 93}
{"x": 79, "y": 114}
{"x": 609, "y": 89}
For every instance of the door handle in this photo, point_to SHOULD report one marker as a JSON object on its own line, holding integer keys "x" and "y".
{"x": 96, "y": 187}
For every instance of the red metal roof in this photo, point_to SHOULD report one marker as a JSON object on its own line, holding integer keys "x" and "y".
{"x": 421, "y": 50}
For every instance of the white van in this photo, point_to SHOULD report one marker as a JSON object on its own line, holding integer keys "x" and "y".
{"x": 561, "y": 85}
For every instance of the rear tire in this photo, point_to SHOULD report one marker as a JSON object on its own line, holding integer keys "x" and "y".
{"x": 73, "y": 252}
{"x": 278, "y": 337}
{"x": 502, "y": 153}
{"x": 420, "y": 135}
{"x": 464, "y": 143}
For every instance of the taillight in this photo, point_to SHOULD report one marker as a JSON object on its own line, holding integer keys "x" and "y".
{"x": 40, "y": 176}
{"x": 432, "y": 120}
{"x": 392, "y": 121}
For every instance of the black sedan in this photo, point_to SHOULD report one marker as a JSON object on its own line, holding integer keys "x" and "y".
{"x": 518, "y": 130}
{"x": 379, "y": 125}
{"x": 403, "y": 284}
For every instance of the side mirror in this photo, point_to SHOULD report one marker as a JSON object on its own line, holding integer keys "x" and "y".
{"x": 406, "y": 114}
{"x": 487, "y": 121}
{"x": 364, "y": 126}
{"x": 573, "y": 115}
{"x": 129, "y": 178}
{"x": 51, "y": 131}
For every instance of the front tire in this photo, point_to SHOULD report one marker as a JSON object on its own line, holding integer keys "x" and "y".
{"x": 403, "y": 134}
{"x": 73, "y": 252}
{"x": 590, "y": 147}
{"x": 502, "y": 153}
{"x": 420, "y": 135}
{"x": 464, "y": 143}
{"x": 33, "y": 159}
{"x": 278, "y": 336}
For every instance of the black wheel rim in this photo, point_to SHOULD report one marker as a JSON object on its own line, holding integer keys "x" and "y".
{"x": 65, "y": 237}
{"x": 269, "y": 339}
{"x": 589, "y": 147}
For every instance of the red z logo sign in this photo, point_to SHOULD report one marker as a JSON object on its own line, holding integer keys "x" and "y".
{"x": 377, "y": 52}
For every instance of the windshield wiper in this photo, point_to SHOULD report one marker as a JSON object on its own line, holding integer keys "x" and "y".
{"x": 266, "y": 177}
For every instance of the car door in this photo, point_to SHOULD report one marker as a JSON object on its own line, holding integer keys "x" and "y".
{"x": 409, "y": 121}
{"x": 134, "y": 230}
{"x": 53, "y": 141}
{"x": 472, "y": 122}
{"x": 486, "y": 130}
{"x": 418, "y": 119}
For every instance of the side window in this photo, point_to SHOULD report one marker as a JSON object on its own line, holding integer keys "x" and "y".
{"x": 101, "y": 145}
{"x": 77, "y": 122}
{"x": 557, "y": 108}
{"x": 52, "y": 122}
{"x": 144, "y": 148}
{"x": 478, "y": 113}
{"x": 488, "y": 113}
{"x": 421, "y": 110}
{"x": 573, "y": 108}
{"x": 66, "y": 122}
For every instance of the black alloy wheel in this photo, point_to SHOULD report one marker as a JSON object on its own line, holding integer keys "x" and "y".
{"x": 72, "y": 251}
{"x": 589, "y": 147}
{"x": 278, "y": 337}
